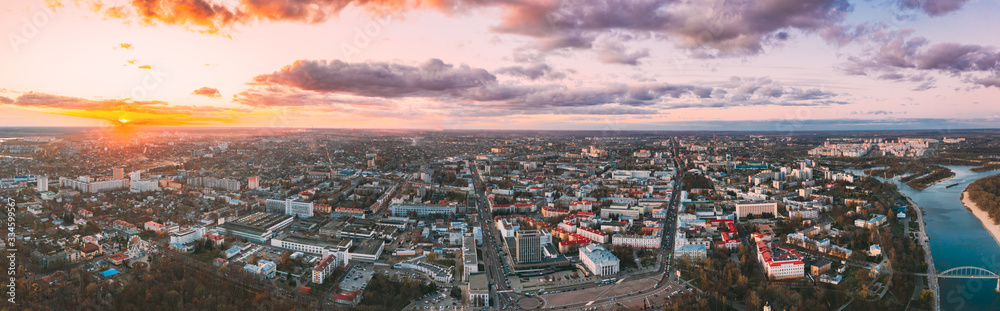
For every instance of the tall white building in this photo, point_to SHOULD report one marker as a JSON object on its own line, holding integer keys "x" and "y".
{"x": 599, "y": 260}
{"x": 135, "y": 175}
{"x": 43, "y": 183}
{"x": 253, "y": 182}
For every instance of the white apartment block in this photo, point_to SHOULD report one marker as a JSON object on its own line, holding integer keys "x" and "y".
{"x": 136, "y": 185}
{"x": 507, "y": 227}
{"x": 623, "y": 174}
{"x": 634, "y": 240}
{"x": 209, "y": 182}
{"x": 86, "y": 185}
{"x": 756, "y": 209}
{"x": 323, "y": 268}
{"x": 608, "y": 212}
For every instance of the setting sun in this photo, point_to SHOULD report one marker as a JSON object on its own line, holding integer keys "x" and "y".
{"x": 123, "y": 120}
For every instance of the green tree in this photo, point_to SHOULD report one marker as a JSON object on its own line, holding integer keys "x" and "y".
{"x": 926, "y": 298}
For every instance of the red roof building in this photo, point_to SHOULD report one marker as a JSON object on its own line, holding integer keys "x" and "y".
{"x": 118, "y": 258}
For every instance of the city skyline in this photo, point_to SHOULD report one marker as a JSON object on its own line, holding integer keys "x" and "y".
{"x": 777, "y": 65}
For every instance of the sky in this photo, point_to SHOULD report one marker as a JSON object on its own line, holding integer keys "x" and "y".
{"x": 783, "y": 65}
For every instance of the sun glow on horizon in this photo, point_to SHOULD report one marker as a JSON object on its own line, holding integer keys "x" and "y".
{"x": 123, "y": 120}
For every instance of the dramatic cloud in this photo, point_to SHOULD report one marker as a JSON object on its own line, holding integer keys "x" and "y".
{"x": 460, "y": 87}
{"x": 931, "y": 7}
{"x": 41, "y": 100}
{"x": 842, "y": 34}
{"x": 433, "y": 78}
{"x": 710, "y": 28}
{"x": 207, "y": 92}
{"x": 993, "y": 81}
{"x": 150, "y": 113}
{"x": 898, "y": 56}
{"x": 531, "y": 72}
{"x": 611, "y": 50}
{"x": 6, "y": 100}
{"x": 213, "y": 17}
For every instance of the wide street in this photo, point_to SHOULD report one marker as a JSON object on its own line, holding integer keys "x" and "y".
{"x": 502, "y": 296}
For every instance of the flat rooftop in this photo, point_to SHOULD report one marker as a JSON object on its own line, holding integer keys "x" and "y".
{"x": 478, "y": 282}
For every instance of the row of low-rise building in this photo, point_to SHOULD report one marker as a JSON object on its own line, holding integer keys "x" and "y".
{"x": 636, "y": 240}
{"x": 86, "y": 184}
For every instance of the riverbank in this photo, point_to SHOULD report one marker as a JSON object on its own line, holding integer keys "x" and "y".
{"x": 931, "y": 179}
{"x": 924, "y": 241}
{"x": 983, "y": 217}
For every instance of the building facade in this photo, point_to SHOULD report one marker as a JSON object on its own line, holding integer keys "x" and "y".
{"x": 599, "y": 260}
{"x": 753, "y": 208}
{"x": 529, "y": 246}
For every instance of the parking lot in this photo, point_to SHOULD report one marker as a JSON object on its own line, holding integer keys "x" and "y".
{"x": 357, "y": 277}
{"x": 600, "y": 294}
{"x": 439, "y": 300}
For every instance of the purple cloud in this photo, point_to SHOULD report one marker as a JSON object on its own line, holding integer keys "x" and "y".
{"x": 711, "y": 28}
{"x": 931, "y": 7}
{"x": 531, "y": 72}
{"x": 457, "y": 87}
{"x": 611, "y": 50}
{"x": 898, "y": 56}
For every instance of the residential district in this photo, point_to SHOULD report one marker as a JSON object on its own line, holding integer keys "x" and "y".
{"x": 407, "y": 220}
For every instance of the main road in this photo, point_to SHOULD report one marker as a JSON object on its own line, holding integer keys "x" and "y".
{"x": 501, "y": 294}
{"x": 931, "y": 269}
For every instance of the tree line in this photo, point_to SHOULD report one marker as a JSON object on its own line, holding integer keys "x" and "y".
{"x": 985, "y": 193}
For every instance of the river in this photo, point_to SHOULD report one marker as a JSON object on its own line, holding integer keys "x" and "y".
{"x": 957, "y": 239}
